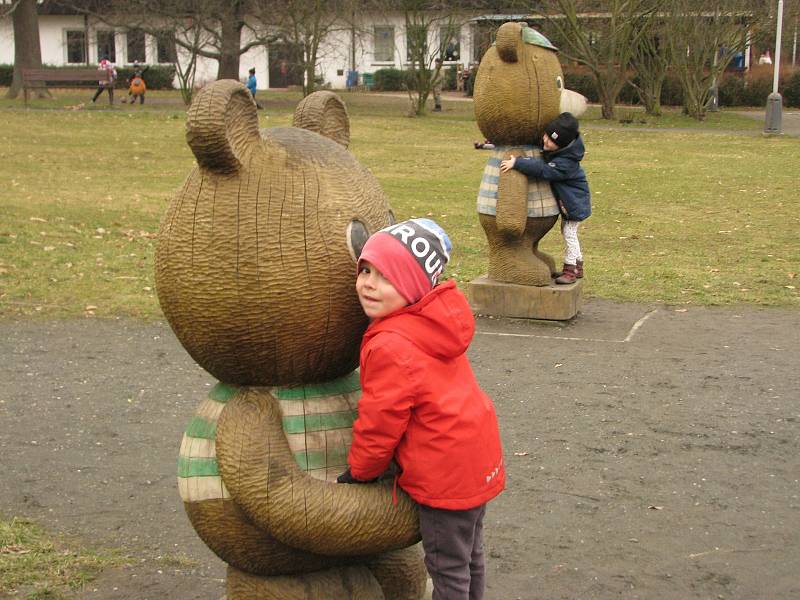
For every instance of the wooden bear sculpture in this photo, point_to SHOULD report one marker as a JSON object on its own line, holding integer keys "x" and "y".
{"x": 518, "y": 90}
{"x": 255, "y": 269}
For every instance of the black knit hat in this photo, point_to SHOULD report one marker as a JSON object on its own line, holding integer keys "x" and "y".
{"x": 563, "y": 129}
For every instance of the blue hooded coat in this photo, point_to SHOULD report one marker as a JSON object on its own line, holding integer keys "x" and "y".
{"x": 562, "y": 168}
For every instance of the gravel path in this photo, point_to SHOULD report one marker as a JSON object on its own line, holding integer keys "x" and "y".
{"x": 652, "y": 452}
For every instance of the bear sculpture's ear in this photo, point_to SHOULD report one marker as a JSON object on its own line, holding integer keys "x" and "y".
{"x": 509, "y": 37}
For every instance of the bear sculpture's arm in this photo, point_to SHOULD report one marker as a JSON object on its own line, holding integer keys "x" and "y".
{"x": 512, "y": 200}
{"x": 263, "y": 478}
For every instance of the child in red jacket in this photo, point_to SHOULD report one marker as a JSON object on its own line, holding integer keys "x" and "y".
{"x": 420, "y": 403}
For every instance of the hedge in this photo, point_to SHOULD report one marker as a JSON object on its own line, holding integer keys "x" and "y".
{"x": 735, "y": 89}
{"x": 157, "y": 77}
{"x": 389, "y": 80}
{"x": 791, "y": 90}
{"x": 397, "y": 80}
{"x": 6, "y": 75}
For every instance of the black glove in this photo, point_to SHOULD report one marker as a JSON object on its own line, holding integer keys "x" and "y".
{"x": 347, "y": 477}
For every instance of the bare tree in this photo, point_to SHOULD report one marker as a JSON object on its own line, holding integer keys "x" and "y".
{"x": 27, "y": 49}
{"x": 430, "y": 27}
{"x": 303, "y": 24}
{"x": 422, "y": 19}
{"x": 208, "y": 28}
{"x": 650, "y": 60}
{"x": 703, "y": 39}
{"x": 602, "y": 37}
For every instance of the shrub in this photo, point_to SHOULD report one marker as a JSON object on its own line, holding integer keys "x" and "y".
{"x": 581, "y": 83}
{"x": 791, "y": 90}
{"x": 469, "y": 84}
{"x": 672, "y": 91}
{"x": 389, "y": 80}
{"x": 450, "y": 76}
{"x": 6, "y": 75}
{"x": 756, "y": 91}
{"x": 157, "y": 77}
{"x": 629, "y": 94}
{"x": 731, "y": 91}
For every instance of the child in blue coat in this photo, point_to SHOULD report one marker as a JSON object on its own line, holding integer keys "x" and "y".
{"x": 561, "y": 166}
{"x": 252, "y": 85}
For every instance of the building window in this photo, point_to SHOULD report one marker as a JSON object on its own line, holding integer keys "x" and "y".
{"x": 449, "y": 43}
{"x": 76, "y": 47}
{"x": 416, "y": 42}
{"x": 165, "y": 40}
{"x": 136, "y": 46}
{"x": 105, "y": 45}
{"x": 384, "y": 44}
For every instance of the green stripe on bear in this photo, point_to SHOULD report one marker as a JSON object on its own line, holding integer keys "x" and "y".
{"x": 200, "y": 428}
{"x": 323, "y": 422}
{"x": 344, "y": 385}
{"x": 318, "y": 459}
{"x": 197, "y": 467}
{"x": 222, "y": 392}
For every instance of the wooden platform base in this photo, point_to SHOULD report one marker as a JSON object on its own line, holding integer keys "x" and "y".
{"x": 552, "y": 302}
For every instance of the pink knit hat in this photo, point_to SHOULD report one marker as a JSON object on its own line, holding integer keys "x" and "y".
{"x": 411, "y": 255}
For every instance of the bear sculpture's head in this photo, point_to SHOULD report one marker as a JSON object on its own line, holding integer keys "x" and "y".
{"x": 520, "y": 87}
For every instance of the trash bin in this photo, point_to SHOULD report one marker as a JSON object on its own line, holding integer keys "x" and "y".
{"x": 352, "y": 79}
{"x": 367, "y": 80}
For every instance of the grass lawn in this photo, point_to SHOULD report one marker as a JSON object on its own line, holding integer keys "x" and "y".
{"x": 684, "y": 212}
{"x": 35, "y": 567}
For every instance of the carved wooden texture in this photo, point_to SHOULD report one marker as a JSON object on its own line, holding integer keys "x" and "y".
{"x": 344, "y": 582}
{"x": 512, "y": 201}
{"x": 515, "y": 99}
{"x": 260, "y": 472}
{"x": 519, "y": 260}
{"x": 324, "y": 113}
{"x": 517, "y": 92}
{"x": 253, "y": 271}
{"x": 398, "y": 575}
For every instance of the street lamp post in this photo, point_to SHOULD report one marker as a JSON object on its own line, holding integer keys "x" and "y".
{"x": 772, "y": 124}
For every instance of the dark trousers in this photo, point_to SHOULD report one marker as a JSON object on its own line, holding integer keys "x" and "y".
{"x": 103, "y": 88}
{"x": 453, "y": 544}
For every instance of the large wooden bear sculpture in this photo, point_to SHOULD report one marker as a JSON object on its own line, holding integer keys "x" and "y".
{"x": 518, "y": 90}
{"x": 255, "y": 270}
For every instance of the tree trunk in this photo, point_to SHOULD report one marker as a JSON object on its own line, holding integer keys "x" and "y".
{"x": 27, "y": 51}
{"x": 608, "y": 97}
{"x": 230, "y": 38}
{"x": 651, "y": 99}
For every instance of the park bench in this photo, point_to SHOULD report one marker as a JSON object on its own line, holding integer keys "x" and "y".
{"x": 32, "y": 78}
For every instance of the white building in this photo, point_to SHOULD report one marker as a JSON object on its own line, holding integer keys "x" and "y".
{"x": 68, "y": 38}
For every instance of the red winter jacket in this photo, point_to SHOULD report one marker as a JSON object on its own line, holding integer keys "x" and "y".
{"x": 420, "y": 403}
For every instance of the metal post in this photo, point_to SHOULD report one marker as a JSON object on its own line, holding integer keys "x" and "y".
{"x": 772, "y": 123}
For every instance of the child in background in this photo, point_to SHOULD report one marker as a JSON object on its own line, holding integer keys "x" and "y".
{"x": 252, "y": 85}
{"x": 420, "y": 403}
{"x": 561, "y": 166}
{"x": 136, "y": 84}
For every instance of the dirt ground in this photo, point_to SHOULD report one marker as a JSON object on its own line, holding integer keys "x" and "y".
{"x": 653, "y": 452}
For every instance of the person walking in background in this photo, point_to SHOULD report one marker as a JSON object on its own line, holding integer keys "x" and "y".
{"x": 436, "y": 85}
{"x": 560, "y": 164}
{"x": 421, "y": 404}
{"x": 252, "y": 85}
{"x": 106, "y": 84}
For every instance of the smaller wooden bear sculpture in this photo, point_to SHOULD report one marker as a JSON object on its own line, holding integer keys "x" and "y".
{"x": 518, "y": 90}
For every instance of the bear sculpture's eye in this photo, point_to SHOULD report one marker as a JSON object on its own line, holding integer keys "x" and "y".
{"x": 357, "y": 236}
{"x": 560, "y": 83}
